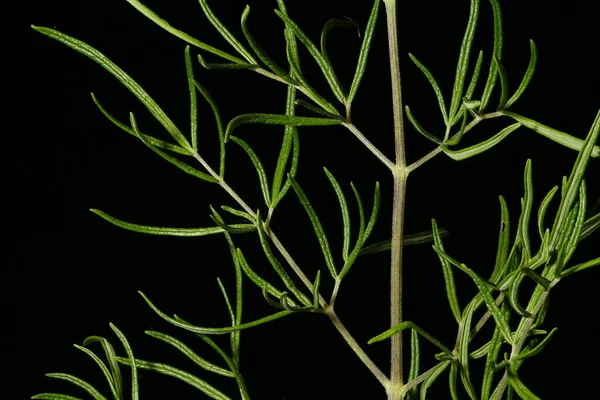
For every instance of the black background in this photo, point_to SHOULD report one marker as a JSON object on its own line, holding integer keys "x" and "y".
{"x": 72, "y": 273}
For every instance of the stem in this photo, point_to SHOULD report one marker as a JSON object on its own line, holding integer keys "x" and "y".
{"x": 400, "y": 175}
{"x": 359, "y": 135}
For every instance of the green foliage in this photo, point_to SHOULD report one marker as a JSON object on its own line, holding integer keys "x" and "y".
{"x": 516, "y": 326}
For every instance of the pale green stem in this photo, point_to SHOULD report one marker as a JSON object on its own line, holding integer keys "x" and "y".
{"x": 400, "y": 175}
{"x": 359, "y": 135}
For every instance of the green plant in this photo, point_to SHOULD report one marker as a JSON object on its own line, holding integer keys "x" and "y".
{"x": 517, "y": 258}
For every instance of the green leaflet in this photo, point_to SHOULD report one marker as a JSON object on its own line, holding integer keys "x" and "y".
{"x": 135, "y": 395}
{"x": 519, "y": 387}
{"x": 114, "y": 378}
{"x": 497, "y": 53}
{"x": 434, "y": 85}
{"x": 125, "y": 79}
{"x": 408, "y": 240}
{"x": 415, "y": 356}
{"x": 345, "y": 213}
{"x": 435, "y": 373}
{"x": 276, "y": 119}
{"x": 448, "y": 275}
{"x": 189, "y": 353}
{"x": 155, "y": 230}
{"x": 526, "y": 78}
{"x": 221, "y": 132}
{"x": 182, "y": 35}
{"x": 116, "y": 391}
{"x": 480, "y": 147}
{"x": 556, "y": 136}
{"x": 262, "y": 175}
{"x": 333, "y": 23}
{"x": 186, "y": 377}
{"x": 54, "y": 396}
{"x": 96, "y": 395}
{"x": 419, "y": 128}
{"x": 193, "y": 100}
{"x": 409, "y": 325}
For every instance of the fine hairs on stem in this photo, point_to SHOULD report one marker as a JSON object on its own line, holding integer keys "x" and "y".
{"x": 497, "y": 329}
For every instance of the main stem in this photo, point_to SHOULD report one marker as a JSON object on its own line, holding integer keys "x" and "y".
{"x": 400, "y": 175}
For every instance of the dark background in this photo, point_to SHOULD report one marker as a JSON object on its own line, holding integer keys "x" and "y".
{"x": 72, "y": 273}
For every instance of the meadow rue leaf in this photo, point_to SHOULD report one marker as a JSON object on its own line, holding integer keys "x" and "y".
{"x": 293, "y": 167}
{"x": 365, "y": 47}
{"x": 325, "y": 67}
{"x": 409, "y": 325}
{"x": 184, "y": 376}
{"x": 262, "y": 174}
{"x": 96, "y": 395}
{"x": 501, "y": 265}
{"x": 158, "y": 230}
{"x": 474, "y": 79}
{"x": 317, "y": 226}
{"x": 420, "y": 128}
{"x": 463, "y": 59}
{"x": 559, "y": 137}
{"x": 526, "y": 78}
{"x": 361, "y": 214}
{"x": 286, "y": 145}
{"x": 227, "y": 301}
{"x": 54, "y": 396}
{"x": 111, "y": 357}
{"x": 261, "y": 53}
{"x": 225, "y": 66}
{"x": 154, "y": 141}
{"x": 580, "y": 267}
{"x": 276, "y": 119}
{"x": 434, "y": 85}
{"x": 415, "y": 356}
{"x": 213, "y": 331}
{"x": 225, "y": 33}
{"x": 125, "y": 79}
{"x": 513, "y": 293}
{"x": 193, "y": 100}
{"x": 543, "y": 208}
{"x": 519, "y": 387}
{"x": 189, "y": 353}
{"x": 182, "y": 35}
{"x": 504, "y": 88}
{"x": 448, "y": 274}
{"x": 116, "y": 391}
{"x": 435, "y": 373}
{"x": 345, "y": 213}
{"x": 132, "y": 362}
{"x": 497, "y": 53}
{"x": 471, "y": 151}
{"x": 527, "y": 206}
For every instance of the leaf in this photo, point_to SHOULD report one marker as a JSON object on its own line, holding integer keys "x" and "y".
{"x": 419, "y": 128}
{"x": 186, "y": 377}
{"x": 181, "y": 165}
{"x": 490, "y": 362}
{"x": 293, "y": 167}
{"x": 156, "y": 230}
{"x": 580, "y": 267}
{"x": 317, "y": 226}
{"x": 79, "y": 382}
{"x": 441, "y": 367}
{"x": 474, "y": 78}
{"x": 111, "y": 357}
{"x": 409, "y": 325}
{"x": 325, "y": 67}
{"x": 484, "y": 290}
{"x": 575, "y": 178}
{"x": 526, "y": 78}
{"x": 515, "y": 382}
{"x": 225, "y": 33}
{"x": 590, "y": 226}
{"x": 182, "y": 35}
{"x": 543, "y": 208}
{"x": 193, "y": 100}
{"x": 480, "y": 147}
{"x": 286, "y": 145}
{"x": 456, "y": 138}
{"x": 345, "y": 212}
{"x": 318, "y": 110}
{"x": 462, "y": 348}
{"x": 133, "y": 363}
{"x": 276, "y": 119}
{"x": 434, "y": 85}
{"x": 537, "y": 349}
{"x": 226, "y": 66}
{"x": 217, "y": 115}
{"x": 448, "y": 275}
{"x": 125, "y": 79}
{"x": 115, "y": 390}
{"x": 363, "y": 56}
{"x": 261, "y": 53}
{"x": 154, "y": 141}
{"x": 408, "y": 240}
{"x": 54, "y": 396}
{"x": 262, "y": 175}
{"x": 414, "y": 363}
{"x": 505, "y": 90}
{"x": 527, "y": 205}
{"x": 559, "y": 137}
{"x": 189, "y": 353}
{"x": 501, "y": 265}
{"x": 463, "y": 59}
{"x": 574, "y": 238}
{"x": 497, "y": 53}
{"x": 214, "y": 331}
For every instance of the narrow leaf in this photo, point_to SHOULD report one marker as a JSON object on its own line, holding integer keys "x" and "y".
{"x": 262, "y": 174}
{"x": 419, "y": 128}
{"x": 504, "y": 88}
{"x": 226, "y": 66}
{"x": 441, "y": 367}
{"x": 189, "y": 353}
{"x": 474, "y": 79}
{"x": 276, "y": 119}
{"x": 519, "y": 387}
{"x": 538, "y": 348}
{"x": 79, "y": 382}
{"x": 213, "y": 105}
{"x": 409, "y": 325}
{"x": 556, "y": 136}
{"x": 186, "y": 377}
{"x": 345, "y": 213}
{"x": 408, "y": 240}
{"x": 125, "y": 79}
{"x": 497, "y": 53}
{"x": 54, "y": 396}
{"x": 332, "y": 24}
{"x": 286, "y": 145}
{"x": 111, "y": 357}
{"x": 132, "y": 362}
{"x": 115, "y": 390}
{"x": 415, "y": 356}
{"x": 193, "y": 100}
{"x": 526, "y": 78}
{"x": 480, "y": 147}
{"x": 448, "y": 275}
{"x": 580, "y": 267}
{"x": 365, "y": 47}
{"x": 543, "y": 208}
{"x": 501, "y": 265}
{"x": 434, "y": 85}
